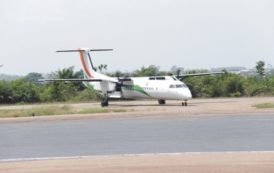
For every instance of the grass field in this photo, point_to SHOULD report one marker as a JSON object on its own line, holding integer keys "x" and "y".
{"x": 53, "y": 110}
{"x": 264, "y": 105}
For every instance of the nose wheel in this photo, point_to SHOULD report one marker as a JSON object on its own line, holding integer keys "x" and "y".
{"x": 184, "y": 103}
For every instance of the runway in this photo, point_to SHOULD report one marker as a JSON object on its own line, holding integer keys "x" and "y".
{"x": 136, "y": 135}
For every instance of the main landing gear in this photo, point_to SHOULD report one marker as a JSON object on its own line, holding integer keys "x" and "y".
{"x": 184, "y": 103}
{"x": 104, "y": 101}
{"x": 161, "y": 102}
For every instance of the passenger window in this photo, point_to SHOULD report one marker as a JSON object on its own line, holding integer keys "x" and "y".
{"x": 160, "y": 78}
{"x": 172, "y": 86}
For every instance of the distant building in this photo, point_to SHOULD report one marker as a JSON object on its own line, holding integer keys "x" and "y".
{"x": 230, "y": 69}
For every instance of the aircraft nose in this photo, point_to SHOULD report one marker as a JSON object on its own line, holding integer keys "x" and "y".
{"x": 186, "y": 94}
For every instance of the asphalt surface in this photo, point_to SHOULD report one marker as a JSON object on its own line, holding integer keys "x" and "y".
{"x": 136, "y": 136}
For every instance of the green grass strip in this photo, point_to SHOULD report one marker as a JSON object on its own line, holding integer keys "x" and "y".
{"x": 264, "y": 105}
{"x": 53, "y": 110}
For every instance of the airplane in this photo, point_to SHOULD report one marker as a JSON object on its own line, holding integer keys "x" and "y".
{"x": 161, "y": 88}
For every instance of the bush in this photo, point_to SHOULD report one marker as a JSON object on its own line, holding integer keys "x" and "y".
{"x": 6, "y": 92}
{"x": 58, "y": 91}
{"x": 24, "y": 91}
{"x": 234, "y": 85}
{"x": 86, "y": 95}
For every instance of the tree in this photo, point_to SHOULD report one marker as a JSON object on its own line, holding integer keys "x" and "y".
{"x": 260, "y": 68}
{"x": 33, "y": 77}
{"x": 176, "y": 70}
{"x": 6, "y": 92}
{"x": 118, "y": 74}
{"x": 62, "y": 91}
{"x": 102, "y": 67}
{"x": 24, "y": 91}
{"x": 151, "y": 70}
{"x": 234, "y": 85}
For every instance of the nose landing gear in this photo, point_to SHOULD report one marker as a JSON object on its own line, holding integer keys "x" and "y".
{"x": 184, "y": 103}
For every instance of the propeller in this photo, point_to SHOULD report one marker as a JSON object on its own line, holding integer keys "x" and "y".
{"x": 121, "y": 81}
{"x": 119, "y": 85}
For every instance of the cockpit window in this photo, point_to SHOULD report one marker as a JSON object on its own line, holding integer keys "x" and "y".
{"x": 179, "y": 86}
{"x": 174, "y": 78}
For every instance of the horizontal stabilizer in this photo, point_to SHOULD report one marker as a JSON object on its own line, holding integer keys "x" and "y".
{"x": 82, "y": 49}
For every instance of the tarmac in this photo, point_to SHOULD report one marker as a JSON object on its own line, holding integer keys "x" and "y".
{"x": 210, "y": 135}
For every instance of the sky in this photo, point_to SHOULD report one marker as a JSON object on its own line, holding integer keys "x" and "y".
{"x": 194, "y": 34}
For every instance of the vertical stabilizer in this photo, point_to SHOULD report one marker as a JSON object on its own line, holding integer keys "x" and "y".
{"x": 86, "y": 61}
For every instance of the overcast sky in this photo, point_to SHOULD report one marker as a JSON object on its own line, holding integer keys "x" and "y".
{"x": 186, "y": 33}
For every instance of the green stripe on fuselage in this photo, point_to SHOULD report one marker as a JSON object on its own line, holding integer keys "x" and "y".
{"x": 136, "y": 88}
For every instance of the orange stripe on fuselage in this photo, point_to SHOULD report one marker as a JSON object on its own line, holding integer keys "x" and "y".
{"x": 84, "y": 64}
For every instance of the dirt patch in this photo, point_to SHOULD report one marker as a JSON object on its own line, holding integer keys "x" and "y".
{"x": 196, "y": 107}
{"x": 194, "y": 163}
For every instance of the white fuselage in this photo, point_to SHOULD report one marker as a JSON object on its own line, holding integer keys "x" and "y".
{"x": 159, "y": 87}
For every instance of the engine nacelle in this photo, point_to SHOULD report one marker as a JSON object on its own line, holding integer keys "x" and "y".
{"x": 118, "y": 87}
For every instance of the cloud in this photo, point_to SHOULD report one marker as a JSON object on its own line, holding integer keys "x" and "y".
{"x": 35, "y": 11}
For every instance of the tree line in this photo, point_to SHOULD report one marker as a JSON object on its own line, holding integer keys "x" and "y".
{"x": 28, "y": 90}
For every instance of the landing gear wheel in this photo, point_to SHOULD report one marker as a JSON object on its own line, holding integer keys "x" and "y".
{"x": 161, "y": 102}
{"x": 104, "y": 102}
{"x": 184, "y": 103}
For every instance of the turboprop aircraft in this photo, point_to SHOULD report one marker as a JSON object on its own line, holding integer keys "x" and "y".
{"x": 161, "y": 88}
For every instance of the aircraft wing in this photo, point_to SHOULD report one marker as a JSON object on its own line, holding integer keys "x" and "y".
{"x": 197, "y": 74}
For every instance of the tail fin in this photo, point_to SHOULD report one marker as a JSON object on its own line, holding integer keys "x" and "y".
{"x": 86, "y": 59}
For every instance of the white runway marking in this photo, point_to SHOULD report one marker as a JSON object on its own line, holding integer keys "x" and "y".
{"x": 130, "y": 155}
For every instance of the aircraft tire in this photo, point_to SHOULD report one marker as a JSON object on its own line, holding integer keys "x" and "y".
{"x": 104, "y": 102}
{"x": 161, "y": 102}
